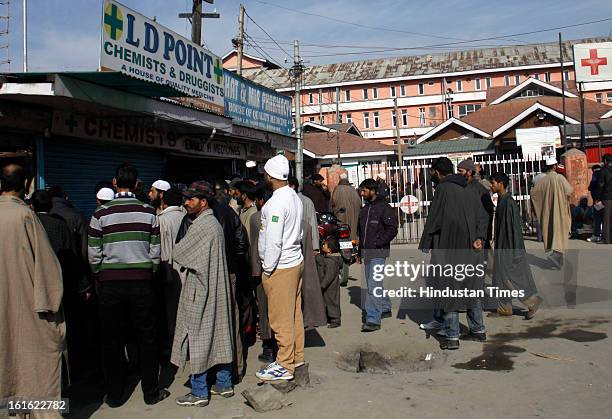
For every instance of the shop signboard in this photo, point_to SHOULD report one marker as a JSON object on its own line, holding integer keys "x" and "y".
{"x": 142, "y": 48}
{"x": 135, "y": 133}
{"x": 255, "y": 106}
{"x": 593, "y": 62}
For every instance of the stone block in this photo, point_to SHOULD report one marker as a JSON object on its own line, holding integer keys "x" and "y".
{"x": 265, "y": 398}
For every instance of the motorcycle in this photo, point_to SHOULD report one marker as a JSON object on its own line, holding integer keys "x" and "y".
{"x": 330, "y": 227}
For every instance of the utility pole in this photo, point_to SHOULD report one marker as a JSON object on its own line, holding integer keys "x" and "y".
{"x": 397, "y": 133}
{"x": 296, "y": 72}
{"x": 195, "y": 17}
{"x": 25, "y": 36}
{"x": 338, "y": 121}
{"x": 582, "y": 136}
{"x": 240, "y": 42}
{"x": 564, "y": 138}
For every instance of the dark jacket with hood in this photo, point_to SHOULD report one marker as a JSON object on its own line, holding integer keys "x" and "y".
{"x": 605, "y": 183}
{"x": 377, "y": 228}
{"x": 76, "y": 223}
{"x": 594, "y": 186}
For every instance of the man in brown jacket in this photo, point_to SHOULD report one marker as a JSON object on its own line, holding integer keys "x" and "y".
{"x": 346, "y": 204}
{"x": 31, "y": 324}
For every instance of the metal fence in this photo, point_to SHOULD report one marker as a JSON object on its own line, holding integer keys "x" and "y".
{"x": 414, "y": 179}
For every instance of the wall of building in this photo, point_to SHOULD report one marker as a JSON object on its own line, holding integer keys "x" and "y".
{"x": 231, "y": 62}
{"x": 415, "y": 95}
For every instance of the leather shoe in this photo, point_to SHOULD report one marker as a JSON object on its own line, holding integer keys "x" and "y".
{"x": 370, "y": 327}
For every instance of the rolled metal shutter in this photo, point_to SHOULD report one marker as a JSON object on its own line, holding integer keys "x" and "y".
{"x": 77, "y": 167}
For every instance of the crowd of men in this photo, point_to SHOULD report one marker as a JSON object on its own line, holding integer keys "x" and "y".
{"x": 196, "y": 274}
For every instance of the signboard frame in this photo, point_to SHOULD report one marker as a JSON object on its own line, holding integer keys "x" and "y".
{"x": 593, "y": 62}
{"x": 140, "y": 47}
{"x": 255, "y": 106}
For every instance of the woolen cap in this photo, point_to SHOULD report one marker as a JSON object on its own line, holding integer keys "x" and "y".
{"x": 550, "y": 161}
{"x": 277, "y": 167}
{"x": 162, "y": 185}
{"x": 105, "y": 194}
{"x": 200, "y": 189}
{"x": 467, "y": 164}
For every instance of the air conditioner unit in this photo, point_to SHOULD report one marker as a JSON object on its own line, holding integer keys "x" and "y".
{"x": 412, "y": 142}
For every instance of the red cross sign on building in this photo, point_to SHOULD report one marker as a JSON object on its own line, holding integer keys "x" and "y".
{"x": 593, "y": 62}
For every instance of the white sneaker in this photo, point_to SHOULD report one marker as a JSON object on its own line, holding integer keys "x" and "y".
{"x": 274, "y": 372}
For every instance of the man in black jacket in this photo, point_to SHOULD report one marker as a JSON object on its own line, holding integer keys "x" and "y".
{"x": 605, "y": 189}
{"x": 598, "y": 210}
{"x": 450, "y": 233}
{"x": 377, "y": 228}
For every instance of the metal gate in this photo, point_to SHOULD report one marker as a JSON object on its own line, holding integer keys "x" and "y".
{"x": 414, "y": 179}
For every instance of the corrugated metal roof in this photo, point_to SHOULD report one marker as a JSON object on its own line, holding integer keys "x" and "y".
{"x": 597, "y": 130}
{"x": 463, "y": 145}
{"x": 417, "y": 65}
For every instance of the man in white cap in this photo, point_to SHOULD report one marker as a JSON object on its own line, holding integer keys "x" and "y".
{"x": 104, "y": 196}
{"x": 282, "y": 263}
{"x": 550, "y": 199}
{"x": 157, "y": 192}
{"x": 383, "y": 188}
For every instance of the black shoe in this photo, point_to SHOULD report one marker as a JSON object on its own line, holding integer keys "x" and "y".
{"x": 344, "y": 284}
{"x": 267, "y": 356}
{"x": 110, "y": 402}
{"x": 386, "y": 315}
{"x": 333, "y": 325}
{"x": 161, "y": 395}
{"x": 476, "y": 337}
{"x": 223, "y": 392}
{"x": 449, "y": 344}
{"x": 190, "y": 399}
{"x": 370, "y": 327}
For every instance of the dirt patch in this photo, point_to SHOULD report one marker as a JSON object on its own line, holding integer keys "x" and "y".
{"x": 376, "y": 360}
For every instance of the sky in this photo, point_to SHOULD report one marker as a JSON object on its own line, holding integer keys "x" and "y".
{"x": 64, "y": 35}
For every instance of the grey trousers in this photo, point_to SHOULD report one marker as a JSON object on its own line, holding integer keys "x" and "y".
{"x": 262, "y": 308}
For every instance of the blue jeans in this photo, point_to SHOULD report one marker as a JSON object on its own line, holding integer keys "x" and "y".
{"x": 199, "y": 386}
{"x": 375, "y": 306}
{"x": 447, "y": 322}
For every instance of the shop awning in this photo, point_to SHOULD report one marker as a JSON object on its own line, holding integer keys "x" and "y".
{"x": 40, "y": 87}
{"x": 112, "y": 79}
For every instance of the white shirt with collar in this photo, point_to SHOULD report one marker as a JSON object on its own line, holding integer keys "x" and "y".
{"x": 280, "y": 237}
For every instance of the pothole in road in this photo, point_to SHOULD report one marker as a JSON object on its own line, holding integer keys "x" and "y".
{"x": 374, "y": 360}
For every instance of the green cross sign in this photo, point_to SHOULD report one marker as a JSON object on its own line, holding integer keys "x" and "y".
{"x": 113, "y": 21}
{"x": 218, "y": 71}
{"x": 71, "y": 123}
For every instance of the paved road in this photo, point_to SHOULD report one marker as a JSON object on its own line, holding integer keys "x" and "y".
{"x": 555, "y": 366}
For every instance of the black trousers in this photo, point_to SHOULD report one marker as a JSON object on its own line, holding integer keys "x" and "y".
{"x": 607, "y": 222}
{"x": 133, "y": 302}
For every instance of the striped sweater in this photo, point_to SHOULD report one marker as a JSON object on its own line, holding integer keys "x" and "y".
{"x": 124, "y": 242}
